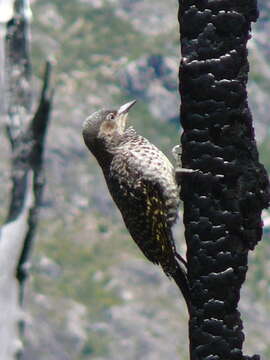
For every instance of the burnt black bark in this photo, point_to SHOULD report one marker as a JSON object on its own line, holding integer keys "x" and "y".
{"x": 224, "y": 200}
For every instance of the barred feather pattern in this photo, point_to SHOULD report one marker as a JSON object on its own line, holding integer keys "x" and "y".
{"x": 142, "y": 183}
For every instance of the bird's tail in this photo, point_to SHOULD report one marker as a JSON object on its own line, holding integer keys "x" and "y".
{"x": 180, "y": 277}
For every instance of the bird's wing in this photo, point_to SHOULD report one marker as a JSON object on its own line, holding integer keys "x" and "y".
{"x": 141, "y": 196}
{"x": 159, "y": 228}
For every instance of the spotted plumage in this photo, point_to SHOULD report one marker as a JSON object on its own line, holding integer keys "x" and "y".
{"x": 142, "y": 183}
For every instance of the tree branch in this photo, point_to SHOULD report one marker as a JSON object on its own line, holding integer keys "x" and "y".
{"x": 26, "y": 132}
{"x": 11, "y": 244}
{"x": 223, "y": 203}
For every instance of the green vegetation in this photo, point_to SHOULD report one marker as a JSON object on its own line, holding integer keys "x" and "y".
{"x": 259, "y": 277}
{"x": 90, "y": 47}
{"x": 90, "y": 37}
{"x": 84, "y": 263}
{"x": 80, "y": 257}
{"x": 264, "y": 150}
{"x": 95, "y": 345}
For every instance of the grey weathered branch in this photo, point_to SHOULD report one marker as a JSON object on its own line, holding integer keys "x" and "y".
{"x": 26, "y": 130}
{"x": 11, "y": 246}
{"x": 224, "y": 200}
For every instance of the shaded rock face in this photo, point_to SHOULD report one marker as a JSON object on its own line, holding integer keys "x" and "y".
{"x": 153, "y": 79}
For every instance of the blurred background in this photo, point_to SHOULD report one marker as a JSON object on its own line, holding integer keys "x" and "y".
{"x": 91, "y": 294}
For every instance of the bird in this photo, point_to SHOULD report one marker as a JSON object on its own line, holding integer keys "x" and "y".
{"x": 141, "y": 181}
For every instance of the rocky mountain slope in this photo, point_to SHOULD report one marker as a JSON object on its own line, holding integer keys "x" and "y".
{"x": 91, "y": 294}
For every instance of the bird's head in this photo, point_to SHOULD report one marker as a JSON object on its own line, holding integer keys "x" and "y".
{"x": 104, "y": 126}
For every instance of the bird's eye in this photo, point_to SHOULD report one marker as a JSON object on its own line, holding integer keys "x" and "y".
{"x": 110, "y": 116}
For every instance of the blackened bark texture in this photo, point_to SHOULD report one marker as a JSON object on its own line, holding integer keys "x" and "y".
{"x": 224, "y": 200}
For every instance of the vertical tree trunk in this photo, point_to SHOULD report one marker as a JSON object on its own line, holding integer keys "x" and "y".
{"x": 224, "y": 200}
{"x": 26, "y": 132}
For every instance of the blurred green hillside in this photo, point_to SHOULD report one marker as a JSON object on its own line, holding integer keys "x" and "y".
{"x": 91, "y": 294}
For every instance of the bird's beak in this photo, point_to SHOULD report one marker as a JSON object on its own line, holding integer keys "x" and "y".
{"x": 124, "y": 109}
{"x": 122, "y": 115}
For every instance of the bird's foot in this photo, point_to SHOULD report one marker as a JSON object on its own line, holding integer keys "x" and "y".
{"x": 181, "y": 172}
{"x": 177, "y": 152}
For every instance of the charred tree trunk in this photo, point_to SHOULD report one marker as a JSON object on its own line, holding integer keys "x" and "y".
{"x": 26, "y": 130}
{"x": 223, "y": 203}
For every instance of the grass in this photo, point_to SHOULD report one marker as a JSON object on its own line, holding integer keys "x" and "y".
{"x": 87, "y": 247}
{"x": 100, "y": 29}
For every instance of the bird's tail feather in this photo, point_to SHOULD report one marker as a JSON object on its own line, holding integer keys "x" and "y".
{"x": 180, "y": 278}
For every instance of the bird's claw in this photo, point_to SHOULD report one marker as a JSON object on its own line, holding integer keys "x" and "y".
{"x": 177, "y": 152}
